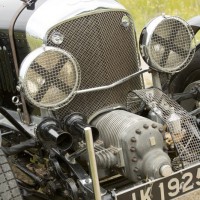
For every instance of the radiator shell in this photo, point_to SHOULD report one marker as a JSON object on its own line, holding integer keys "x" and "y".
{"x": 106, "y": 52}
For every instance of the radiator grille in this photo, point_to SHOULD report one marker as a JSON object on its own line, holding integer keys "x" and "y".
{"x": 106, "y": 52}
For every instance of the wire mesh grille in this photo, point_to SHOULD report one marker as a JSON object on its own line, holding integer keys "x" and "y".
{"x": 171, "y": 46}
{"x": 51, "y": 79}
{"x": 106, "y": 52}
{"x": 185, "y": 135}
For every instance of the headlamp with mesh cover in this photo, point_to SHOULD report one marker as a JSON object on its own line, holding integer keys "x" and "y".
{"x": 167, "y": 44}
{"x": 49, "y": 77}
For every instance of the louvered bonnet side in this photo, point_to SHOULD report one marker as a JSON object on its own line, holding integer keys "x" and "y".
{"x": 8, "y": 78}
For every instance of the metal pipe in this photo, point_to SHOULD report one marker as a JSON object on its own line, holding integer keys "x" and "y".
{"x": 14, "y": 122}
{"x": 195, "y": 112}
{"x": 92, "y": 161}
{"x": 31, "y": 143}
{"x": 113, "y": 84}
{"x": 26, "y": 117}
{"x": 156, "y": 79}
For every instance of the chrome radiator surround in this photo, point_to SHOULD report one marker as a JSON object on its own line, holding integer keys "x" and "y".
{"x": 107, "y": 52}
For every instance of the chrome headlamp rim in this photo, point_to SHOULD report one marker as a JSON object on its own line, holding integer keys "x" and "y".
{"x": 146, "y": 38}
{"x": 25, "y": 66}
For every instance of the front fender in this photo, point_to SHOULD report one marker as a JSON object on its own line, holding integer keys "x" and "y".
{"x": 195, "y": 23}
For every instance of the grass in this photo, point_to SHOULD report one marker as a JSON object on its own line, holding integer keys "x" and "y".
{"x": 144, "y": 10}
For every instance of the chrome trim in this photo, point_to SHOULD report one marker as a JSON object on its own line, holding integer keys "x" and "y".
{"x": 100, "y": 10}
{"x": 152, "y": 25}
{"x": 156, "y": 79}
{"x": 41, "y": 21}
{"x": 26, "y": 117}
{"x": 25, "y": 66}
{"x": 145, "y": 40}
{"x": 113, "y": 84}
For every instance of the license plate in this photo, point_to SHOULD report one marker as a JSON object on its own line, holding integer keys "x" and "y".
{"x": 168, "y": 188}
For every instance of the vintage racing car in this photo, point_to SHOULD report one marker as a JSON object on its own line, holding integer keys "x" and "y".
{"x": 76, "y": 121}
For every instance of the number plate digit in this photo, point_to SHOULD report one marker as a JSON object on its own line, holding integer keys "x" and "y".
{"x": 173, "y": 186}
{"x": 162, "y": 192}
{"x": 188, "y": 176}
{"x": 179, "y": 183}
{"x": 198, "y": 176}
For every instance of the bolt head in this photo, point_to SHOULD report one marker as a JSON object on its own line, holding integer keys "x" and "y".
{"x": 146, "y": 126}
{"x": 138, "y": 131}
{"x": 134, "y": 159}
{"x": 136, "y": 169}
{"x": 18, "y": 88}
{"x": 154, "y": 126}
{"x": 132, "y": 149}
{"x": 87, "y": 180}
{"x": 133, "y": 139}
{"x": 161, "y": 130}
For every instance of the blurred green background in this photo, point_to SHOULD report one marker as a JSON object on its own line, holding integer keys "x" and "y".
{"x": 144, "y": 10}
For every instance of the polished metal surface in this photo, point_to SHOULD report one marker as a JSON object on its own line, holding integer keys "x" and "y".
{"x": 26, "y": 117}
{"x": 107, "y": 53}
{"x": 8, "y": 9}
{"x": 167, "y": 44}
{"x": 187, "y": 137}
{"x": 49, "y": 77}
{"x": 166, "y": 170}
{"x": 113, "y": 84}
{"x": 41, "y": 20}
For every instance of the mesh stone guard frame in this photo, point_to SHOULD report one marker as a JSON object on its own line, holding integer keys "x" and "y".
{"x": 167, "y": 44}
{"x": 113, "y": 84}
{"x": 188, "y": 140}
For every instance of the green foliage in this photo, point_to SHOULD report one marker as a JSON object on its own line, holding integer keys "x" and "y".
{"x": 144, "y": 10}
